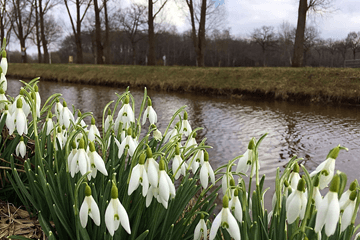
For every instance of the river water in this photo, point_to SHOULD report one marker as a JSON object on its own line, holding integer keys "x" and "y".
{"x": 307, "y": 130}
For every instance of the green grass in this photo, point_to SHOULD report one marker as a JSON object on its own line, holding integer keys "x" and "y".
{"x": 307, "y": 84}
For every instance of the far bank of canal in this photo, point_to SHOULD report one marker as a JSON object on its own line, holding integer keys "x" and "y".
{"x": 326, "y": 85}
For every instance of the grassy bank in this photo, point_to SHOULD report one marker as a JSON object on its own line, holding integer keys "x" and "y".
{"x": 305, "y": 84}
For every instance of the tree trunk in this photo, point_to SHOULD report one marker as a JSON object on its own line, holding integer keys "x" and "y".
{"x": 99, "y": 47}
{"x": 201, "y": 36}
{"x": 107, "y": 37}
{"x": 43, "y": 37}
{"x": 300, "y": 32}
{"x": 79, "y": 54}
{"x": 151, "y": 33}
{"x": 2, "y": 27}
{"x": 134, "y": 54}
{"x": 37, "y": 32}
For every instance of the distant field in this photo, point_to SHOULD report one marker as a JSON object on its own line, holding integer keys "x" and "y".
{"x": 303, "y": 84}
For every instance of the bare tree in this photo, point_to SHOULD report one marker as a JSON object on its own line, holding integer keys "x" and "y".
{"x": 151, "y": 29}
{"x": 353, "y": 39}
{"x": 5, "y": 19}
{"x": 305, "y": 6}
{"x": 133, "y": 22}
{"x": 330, "y": 46}
{"x": 76, "y": 27}
{"x": 342, "y": 46}
{"x": 23, "y": 23}
{"x": 286, "y": 39}
{"x": 266, "y": 38}
{"x": 201, "y": 12}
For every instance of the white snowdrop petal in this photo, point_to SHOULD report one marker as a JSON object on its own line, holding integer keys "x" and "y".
{"x": 215, "y": 225}
{"x": 83, "y": 214}
{"x": 134, "y": 179}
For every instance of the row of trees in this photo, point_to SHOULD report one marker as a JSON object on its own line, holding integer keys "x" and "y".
{"x": 132, "y": 36}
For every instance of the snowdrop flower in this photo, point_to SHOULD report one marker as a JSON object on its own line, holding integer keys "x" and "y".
{"x": 93, "y": 131}
{"x": 294, "y": 176}
{"x": 156, "y": 133}
{"x": 296, "y": 203}
{"x": 152, "y": 168}
{"x": 329, "y": 210}
{"x": 4, "y": 63}
{"x": 66, "y": 115}
{"x": 25, "y": 105}
{"x": 326, "y": 168}
{"x": 345, "y": 196}
{"x": 247, "y": 159}
{"x": 128, "y": 143}
{"x": 200, "y": 229}
{"x": 38, "y": 101}
{"x": 170, "y": 134}
{"x": 80, "y": 122}
{"x": 49, "y": 124}
{"x": 3, "y": 81}
{"x": 96, "y": 162}
{"x": 58, "y": 109}
{"x": 206, "y": 171}
{"x": 9, "y": 120}
{"x": 349, "y": 209}
{"x": 72, "y": 153}
{"x": 81, "y": 161}
{"x": 115, "y": 214}
{"x": 20, "y": 149}
{"x": 191, "y": 141}
{"x": 178, "y": 165}
{"x": 60, "y": 138}
{"x": 154, "y": 193}
{"x": 316, "y": 193}
{"x": 125, "y": 115}
{"x": 166, "y": 186}
{"x": 2, "y": 98}
{"x": 108, "y": 121}
{"x": 185, "y": 126}
{"x": 89, "y": 208}
{"x": 226, "y": 220}
{"x": 235, "y": 206}
{"x": 227, "y": 181}
{"x": 139, "y": 176}
{"x": 149, "y": 113}
{"x": 20, "y": 118}
{"x": 197, "y": 160}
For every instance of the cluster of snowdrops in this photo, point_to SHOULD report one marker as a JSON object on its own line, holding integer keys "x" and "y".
{"x": 83, "y": 183}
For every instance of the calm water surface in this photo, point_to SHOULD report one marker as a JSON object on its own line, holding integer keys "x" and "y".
{"x": 307, "y": 130}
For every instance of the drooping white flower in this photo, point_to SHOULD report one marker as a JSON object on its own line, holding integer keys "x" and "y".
{"x": 93, "y": 131}
{"x": 127, "y": 143}
{"x": 349, "y": 209}
{"x": 170, "y": 134}
{"x": 185, "y": 126}
{"x": 196, "y": 161}
{"x": 206, "y": 171}
{"x": 200, "y": 229}
{"x": 49, "y": 124}
{"x": 81, "y": 161}
{"x": 115, "y": 214}
{"x": 296, "y": 203}
{"x": 2, "y": 98}
{"x": 166, "y": 186}
{"x": 66, "y": 115}
{"x": 227, "y": 181}
{"x": 247, "y": 160}
{"x": 20, "y": 118}
{"x": 316, "y": 193}
{"x": 149, "y": 113}
{"x": 326, "y": 168}
{"x": 80, "y": 122}
{"x": 10, "y": 124}
{"x": 3, "y": 81}
{"x": 178, "y": 164}
{"x": 226, "y": 220}
{"x": 152, "y": 168}
{"x": 58, "y": 109}
{"x": 72, "y": 153}
{"x": 4, "y": 63}
{"x": 89, "y": 208}
{"x": 20, "y": 149}
{"x": 345, "y": 196}
{"x": 25, "y": 104}
{"x": 125, "y": 115}
{"x": 38, "y": 100}
{"x": 191, "y": 141}
{"x": 60, "y": 138}
{"x": 235, "y": 206}
{"x": 139, "y": 176}
{"x": 329, "y": 210}
{"x": 108, "y": 121}
{"x": 294, "y": 176}
{"x": 96, "y": 162}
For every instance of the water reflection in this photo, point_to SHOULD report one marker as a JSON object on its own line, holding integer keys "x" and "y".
{"x": 306, "y": 130}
